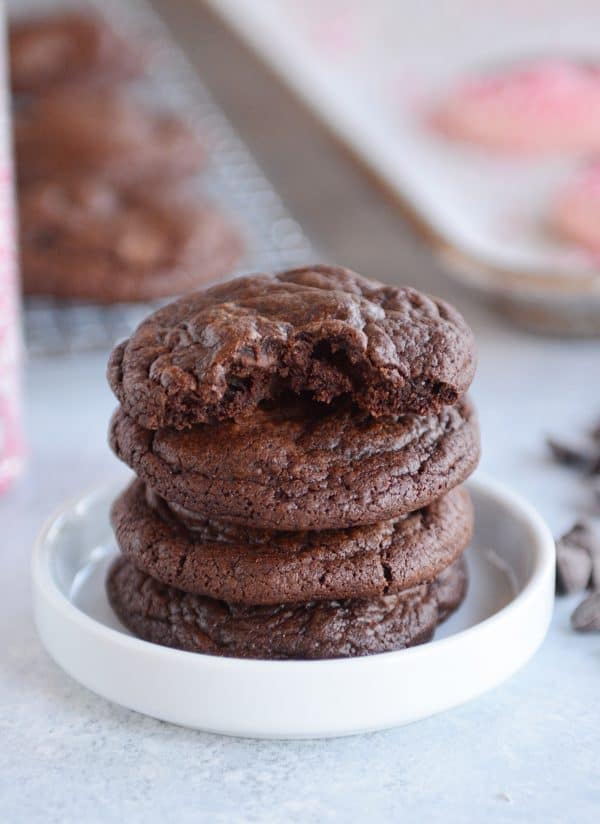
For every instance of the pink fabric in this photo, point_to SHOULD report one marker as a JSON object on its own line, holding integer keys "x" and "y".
{"x": 11, "y": 437}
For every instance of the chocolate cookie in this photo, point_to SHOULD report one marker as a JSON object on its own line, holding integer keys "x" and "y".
{"x": 303, "y": 465}
{"x": 102, "y": 133}
{"x": 91, "y": 239}
{"x": 322, "y": 330}
{"x": 67, "y": 49}
{"x": 250, "y": 566}
{"x": 320, "y": 629}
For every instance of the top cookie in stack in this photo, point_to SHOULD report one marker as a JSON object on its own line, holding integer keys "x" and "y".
{"x": 300, "y": 440}
{"x": 322, "y": 331}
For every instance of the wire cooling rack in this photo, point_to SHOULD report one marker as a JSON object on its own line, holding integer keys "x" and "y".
{"x": 231, "y": 179}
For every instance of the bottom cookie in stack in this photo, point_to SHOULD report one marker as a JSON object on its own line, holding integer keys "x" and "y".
{"x": 201, "y": 585}
{"x": 317, "y": 629}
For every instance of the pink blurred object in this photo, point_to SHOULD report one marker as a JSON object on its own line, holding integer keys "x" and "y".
{"x": 11, "y": 437}
{"x": 547, "y": 107}
{"x": 576, "y": 212}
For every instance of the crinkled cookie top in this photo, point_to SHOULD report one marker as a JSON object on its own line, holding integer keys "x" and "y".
{"x": 321, "y": 331}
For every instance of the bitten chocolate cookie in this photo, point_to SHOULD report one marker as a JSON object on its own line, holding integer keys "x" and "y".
{"x": 246, "y": 566}
{"x": 321, "y": 330}
{"x": 303, "y": 465}
{"x": 102, "y": 133}
{"x": 59, "y": 50}
{"x": 320, "y": 629}
{"x": 88, "y": 238}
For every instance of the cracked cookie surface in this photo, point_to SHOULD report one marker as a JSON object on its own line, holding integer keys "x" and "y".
{"x": 249, "y": 566}
{"x": 304, "y": 466}
{"x": 318, "y": 629}
{"x": 320, "y": 330}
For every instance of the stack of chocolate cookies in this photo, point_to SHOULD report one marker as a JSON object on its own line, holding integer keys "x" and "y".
{"x": 299, "y": 441}
{"x": 102, "y": 210}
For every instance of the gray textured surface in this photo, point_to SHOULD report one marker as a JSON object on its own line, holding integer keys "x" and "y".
{"x": 528, "y": 751}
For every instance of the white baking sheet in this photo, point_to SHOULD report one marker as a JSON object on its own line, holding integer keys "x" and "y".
{"x": 371, "y": 68}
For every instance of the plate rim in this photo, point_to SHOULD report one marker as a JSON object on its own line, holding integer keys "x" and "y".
{"x": 44, "y": 584}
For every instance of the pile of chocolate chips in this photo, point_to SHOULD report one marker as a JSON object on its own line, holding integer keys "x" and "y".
{"x": 578, "y": 550}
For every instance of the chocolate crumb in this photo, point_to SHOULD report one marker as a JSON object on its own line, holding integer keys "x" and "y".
{"x": 586, "y": 617}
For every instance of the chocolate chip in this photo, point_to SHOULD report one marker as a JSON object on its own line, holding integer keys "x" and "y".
{"x": 587, "y": 537}
{"x": 573, "y": 569}
{"x": 581, "y": 453}
{"x": 578, "y": 551}
{"x": 595, "y": 490}
{"x": 595, "y": 556}
{"x": 578, "y": 558}
{"x": 596, "y": 573}
{"x": 586, "y": 617}
{"x": 583, "y": 533}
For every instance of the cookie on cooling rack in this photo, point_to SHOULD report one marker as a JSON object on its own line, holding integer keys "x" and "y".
{"x": 105, "y": 133}
{"x": 90, "y": 239}
{"x": 68, "y": 49}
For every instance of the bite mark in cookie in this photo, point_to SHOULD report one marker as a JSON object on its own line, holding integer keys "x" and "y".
{"x": 322, "y": 331}
{"x": 68, "y": 49}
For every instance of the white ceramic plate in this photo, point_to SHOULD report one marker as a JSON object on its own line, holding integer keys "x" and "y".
{"x": 498, "y": 628}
